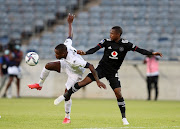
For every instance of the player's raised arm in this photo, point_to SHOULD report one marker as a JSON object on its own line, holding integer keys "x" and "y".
{"x": 70, "y": 21}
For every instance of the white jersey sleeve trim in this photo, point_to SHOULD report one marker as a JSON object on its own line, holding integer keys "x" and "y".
{"x": 68, "y": 42}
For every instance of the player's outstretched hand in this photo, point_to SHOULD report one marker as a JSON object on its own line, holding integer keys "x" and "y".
{"x": 157, "y": 54}
{"x": 80, "y": 52}
{"x": 70, "y": 18}
{"x": 101, "y": 85}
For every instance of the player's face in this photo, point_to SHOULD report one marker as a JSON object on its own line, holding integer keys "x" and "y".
{"x": 58, "y": 54}
{"x": 114, "y": 35}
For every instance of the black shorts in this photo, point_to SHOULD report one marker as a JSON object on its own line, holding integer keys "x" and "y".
{"x": 113, "y": 78}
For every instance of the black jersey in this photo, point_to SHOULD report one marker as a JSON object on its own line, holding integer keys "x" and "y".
{"x": 115, "y": 52}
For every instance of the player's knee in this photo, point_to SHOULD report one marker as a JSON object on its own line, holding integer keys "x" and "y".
{"x": 119, "y": 95}
{"x": 48, "y": 66}
{"x": 117, "y": 92}
{"x": 54, "y": 66}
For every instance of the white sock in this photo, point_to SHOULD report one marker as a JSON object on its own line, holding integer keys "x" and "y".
{"x": 68, "y": 105}
{"x": 43, "y": 76}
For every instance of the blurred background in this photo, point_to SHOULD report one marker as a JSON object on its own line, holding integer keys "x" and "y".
{"x": 39, "y": 25}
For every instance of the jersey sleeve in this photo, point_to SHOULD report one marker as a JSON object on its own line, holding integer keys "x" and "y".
{"x": 131, "y": 46}
{"x": 81, "y": 62}
{"x": 68, "y": 41}
{"x": 102, "y": 43}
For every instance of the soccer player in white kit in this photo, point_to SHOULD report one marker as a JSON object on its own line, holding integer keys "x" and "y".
{"x": 71, "y": 63}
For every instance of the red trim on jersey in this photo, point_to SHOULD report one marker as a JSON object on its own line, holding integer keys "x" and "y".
{"x": 99, "y": 45}
{"x": 135, "y": 48}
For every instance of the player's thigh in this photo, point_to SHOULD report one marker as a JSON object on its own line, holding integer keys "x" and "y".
{"x": 54, "y": 66}
{"x": 114, "y": 81}
{"x": 71, "y": 81}
{"x": 155, "y": 79}
{"x": 100, "y": 74}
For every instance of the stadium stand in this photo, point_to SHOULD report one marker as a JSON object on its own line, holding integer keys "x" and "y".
{"x": 146, "y": 23}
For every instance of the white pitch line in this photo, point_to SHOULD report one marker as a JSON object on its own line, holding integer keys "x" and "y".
{"x": 163, "y": 127}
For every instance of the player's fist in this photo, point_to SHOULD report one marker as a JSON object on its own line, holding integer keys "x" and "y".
{"x": 80, "y": 52}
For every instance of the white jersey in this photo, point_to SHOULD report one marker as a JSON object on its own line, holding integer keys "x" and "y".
{"x": 75, "y": 62}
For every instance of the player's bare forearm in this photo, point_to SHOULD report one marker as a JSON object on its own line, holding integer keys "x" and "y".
{"x": 70, "y": 30}
{"x": 93, "y": 71}
{"x": 70, "y": 21}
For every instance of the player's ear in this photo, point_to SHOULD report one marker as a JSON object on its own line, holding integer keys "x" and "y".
{"x": 64, "y": 53}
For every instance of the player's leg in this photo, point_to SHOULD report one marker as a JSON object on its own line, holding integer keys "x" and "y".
{"x": 18, "y": 86}
{"x": 149, "y": 87}
{"x": 116, "y": 86}
{"x": 72, "y": 90}
{"x": 68, "y": 103}
{"x": 88, "y": 79}
{"x": 3, "y": 80}
{"x": 156, "y": 87}
{"x": 9, "y": 91}
{"x": 8, "y": 84}
{"x": 51, "y": 66}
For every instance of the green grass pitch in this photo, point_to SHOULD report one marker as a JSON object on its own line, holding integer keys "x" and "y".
{"x": 40, "y": 113}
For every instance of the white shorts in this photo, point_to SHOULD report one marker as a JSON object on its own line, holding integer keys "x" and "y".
{"x": 14, "y": 71}
{"x": 72, "y": 77}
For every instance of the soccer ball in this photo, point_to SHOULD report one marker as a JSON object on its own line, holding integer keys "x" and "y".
{"x": 32, "y": 58}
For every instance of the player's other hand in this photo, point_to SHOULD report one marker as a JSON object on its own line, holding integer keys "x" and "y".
{"x": 80, "y": 52}
{"x": 101, "y": 85}
{"x": 157, "y": 54}
{"x": 70, "y": 18}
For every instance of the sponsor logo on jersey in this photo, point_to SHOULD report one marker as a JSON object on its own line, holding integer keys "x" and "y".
{"x": 121, "y": 49}
{"x": 113, "y": 55}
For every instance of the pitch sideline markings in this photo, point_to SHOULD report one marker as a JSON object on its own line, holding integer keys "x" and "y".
{"x": 163, "y": 127}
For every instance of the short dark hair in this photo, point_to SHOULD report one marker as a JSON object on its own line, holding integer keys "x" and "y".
{"x": 118, "y": 29}
{"x": 61, "y": 48}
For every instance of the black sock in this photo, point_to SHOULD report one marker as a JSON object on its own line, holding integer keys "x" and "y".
{"x": 72, "y": 90}
{"x": 121, "y": 104}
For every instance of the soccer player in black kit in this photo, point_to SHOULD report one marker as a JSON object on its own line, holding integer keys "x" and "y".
{"x": 114, "y": 54}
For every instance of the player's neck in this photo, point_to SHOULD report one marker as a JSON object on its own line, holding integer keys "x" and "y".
{"x": 117, "y": 40}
